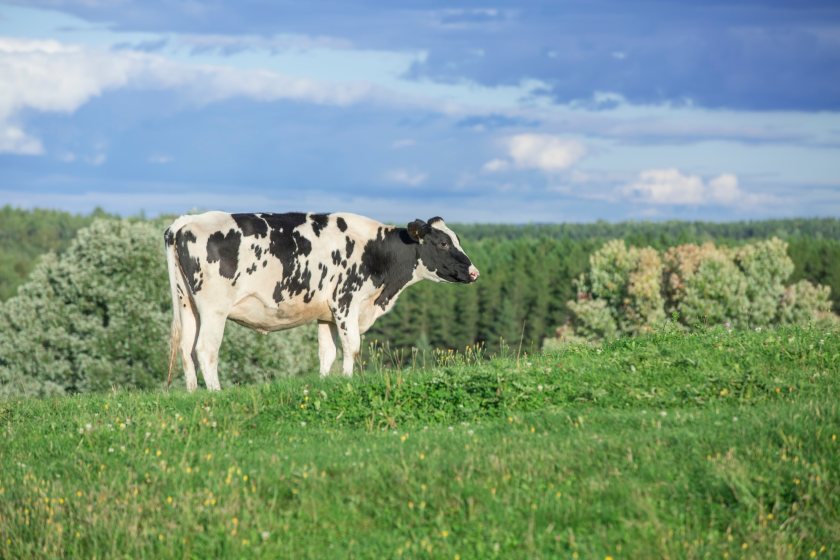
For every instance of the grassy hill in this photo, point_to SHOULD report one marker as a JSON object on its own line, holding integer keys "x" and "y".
{"x": 714, "y": 445}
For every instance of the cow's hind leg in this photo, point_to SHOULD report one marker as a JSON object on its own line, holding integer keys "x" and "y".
{"x": 327, "y": 340}
{"x": 187, "y": 347}
{"x": 210, "y": 334}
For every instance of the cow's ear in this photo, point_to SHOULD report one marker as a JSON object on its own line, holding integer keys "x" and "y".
{"x": 417, "y": 230}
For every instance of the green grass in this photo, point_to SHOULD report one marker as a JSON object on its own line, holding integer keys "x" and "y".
{"x": 669, "y": 446}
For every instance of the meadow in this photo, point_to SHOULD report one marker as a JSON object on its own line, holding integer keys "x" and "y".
{"x": 715, "y": 444}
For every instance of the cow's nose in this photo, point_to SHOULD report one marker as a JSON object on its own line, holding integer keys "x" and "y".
{"x": 474, "y": 274}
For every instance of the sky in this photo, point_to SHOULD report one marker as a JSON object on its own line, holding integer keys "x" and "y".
{"x": 506, "y": 111}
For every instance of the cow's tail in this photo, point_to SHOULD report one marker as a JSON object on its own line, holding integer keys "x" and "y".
{"x": 174, "y": 276}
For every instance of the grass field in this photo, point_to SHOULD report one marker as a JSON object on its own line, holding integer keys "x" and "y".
{"x": 710, "y": 445}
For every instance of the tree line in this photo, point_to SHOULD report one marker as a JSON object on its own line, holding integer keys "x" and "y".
{"x": 528, "y": 271}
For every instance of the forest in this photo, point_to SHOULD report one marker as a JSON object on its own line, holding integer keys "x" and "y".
{"x": 528, "y": 275}
{"x": 528, "y": 271}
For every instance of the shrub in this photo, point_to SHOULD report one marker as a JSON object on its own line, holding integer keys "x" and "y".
{"x": 99, "y": 316}
{"x": 802, "y": 302}
{"x": 629, "y": 291}
{"x": 715, "y": 293}
{"x": 594, "y": 319}
{"x": 622, "y": 294}
{"x": 766, "y": 267}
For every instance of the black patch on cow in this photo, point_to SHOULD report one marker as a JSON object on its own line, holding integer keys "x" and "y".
{"x": 389, "y": 261}
{"x": 307, "y": 278}
{"x": 319, "y": 222}
{"x": 342, "y": 225}
{"x": 251, "y": 225}
{"x": 265, "y": 263}
{"x": 323, "y": 276}
{"x": 351, "y": 285}
{"x": 168, "y": 237}
{"x": 291, "y": 248}
{"x": 251, "y": 269}
{"x": 336, "y": 257}
{"x": 349, "y": 244}
{"x": 289, "y": 245}
{"x": 257, "y": 251}
{"x": 295, "y": 284}
{"x": 335, "y": 289}
{"x": 190, "y": 266}
{"x": 286, "y": 222}
{"x": 224, "y": 249}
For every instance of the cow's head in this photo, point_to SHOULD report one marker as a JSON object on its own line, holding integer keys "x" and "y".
{"x": 440, "y": 252}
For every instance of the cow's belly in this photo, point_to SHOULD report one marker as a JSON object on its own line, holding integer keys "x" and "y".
{"x": 255, "y": 313}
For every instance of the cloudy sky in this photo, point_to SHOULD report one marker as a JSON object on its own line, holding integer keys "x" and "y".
{"x": 505, "y": 111}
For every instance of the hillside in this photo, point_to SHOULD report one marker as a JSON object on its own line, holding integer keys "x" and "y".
{"x": 704, "y": 445}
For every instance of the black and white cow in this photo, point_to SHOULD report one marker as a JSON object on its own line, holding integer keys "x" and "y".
{"x": 272, "y": 272}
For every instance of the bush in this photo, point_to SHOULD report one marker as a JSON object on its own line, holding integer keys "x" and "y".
{"x": 766, "y": 267}
{"x": 99, "y": 316}
{"x": 715, "y": 293}
{"x": 628, "y": 291}
{"x": 622, "y": 294}
{"x": 802, "y": 301}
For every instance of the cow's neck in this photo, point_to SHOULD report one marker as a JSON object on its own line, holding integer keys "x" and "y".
{"x": 390, "y": 261}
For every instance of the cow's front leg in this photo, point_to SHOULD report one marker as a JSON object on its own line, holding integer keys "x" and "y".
{"x": 327, "y": 340}
{"x": 351, "y": 342}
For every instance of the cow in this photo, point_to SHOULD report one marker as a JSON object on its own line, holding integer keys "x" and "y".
{"x": 272, "y": 272}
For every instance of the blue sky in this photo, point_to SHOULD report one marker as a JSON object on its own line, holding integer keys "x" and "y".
{"x": 498, "y": 112}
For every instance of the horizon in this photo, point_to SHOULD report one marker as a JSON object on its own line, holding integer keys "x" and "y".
{"x": 142, "y": 214}
{"x": 516, "y": 112}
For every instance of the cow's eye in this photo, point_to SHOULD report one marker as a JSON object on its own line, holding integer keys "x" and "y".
{"x": 444, "y": 245}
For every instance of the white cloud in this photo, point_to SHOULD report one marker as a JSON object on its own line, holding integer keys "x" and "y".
{"x": 495, "y": 165}
{"x": 670, "y": 186}
{"x": 13, "y": 140}
{"x": 54, "y": 77}
{"x": 724, "y": 189}
{"x": 543, "y": 152}
{"x": 406, "y": 177}
{"x": 49, "y": 76}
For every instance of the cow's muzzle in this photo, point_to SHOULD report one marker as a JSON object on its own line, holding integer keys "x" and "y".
{"x": 474, "y": 274}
